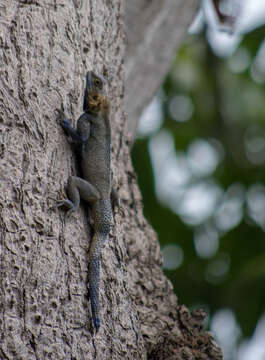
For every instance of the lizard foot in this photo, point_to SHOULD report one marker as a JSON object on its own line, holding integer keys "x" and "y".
{"x": 68, "y": 204}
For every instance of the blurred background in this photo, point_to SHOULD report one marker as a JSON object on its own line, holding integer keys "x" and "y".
{"x": 200, "y": 159}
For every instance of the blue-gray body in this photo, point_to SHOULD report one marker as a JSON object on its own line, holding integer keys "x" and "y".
{"x": 92, "y": 136}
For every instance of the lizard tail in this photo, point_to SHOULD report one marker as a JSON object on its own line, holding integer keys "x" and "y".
{"x": 102, "y": 228}
{"x": 94, "y": 276}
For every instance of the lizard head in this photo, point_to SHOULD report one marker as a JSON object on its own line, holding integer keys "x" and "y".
{"x": 95, "y": 99}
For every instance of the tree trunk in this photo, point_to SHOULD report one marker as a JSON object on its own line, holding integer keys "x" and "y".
{"x": 46, "y": 47}
{"x": 155, "y": 30}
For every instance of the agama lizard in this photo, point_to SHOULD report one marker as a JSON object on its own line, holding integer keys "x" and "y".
{"x": 92, "y": 138}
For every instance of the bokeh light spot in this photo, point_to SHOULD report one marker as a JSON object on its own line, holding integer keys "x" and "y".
{"x": 181, "y": 108}
{"x": 172, "y": 256}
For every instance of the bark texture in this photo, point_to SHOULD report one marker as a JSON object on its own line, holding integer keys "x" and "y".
{"x": 155, "y": 30}
{"x": 46, "y": 47}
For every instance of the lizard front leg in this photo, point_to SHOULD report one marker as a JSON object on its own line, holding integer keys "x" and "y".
{"x": 80, "y": 135}
{"x": 72, "y": 132}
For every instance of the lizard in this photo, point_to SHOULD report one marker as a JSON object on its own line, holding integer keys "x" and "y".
{"x": 92, "y": 142}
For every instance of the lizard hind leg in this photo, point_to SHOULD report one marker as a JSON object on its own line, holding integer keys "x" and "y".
{"x": 77, "y": 188}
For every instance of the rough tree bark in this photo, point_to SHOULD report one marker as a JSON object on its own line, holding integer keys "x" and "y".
{"x": 46, "y": 47}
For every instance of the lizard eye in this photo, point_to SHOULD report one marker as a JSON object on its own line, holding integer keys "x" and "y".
{"x": 97, "y": 83}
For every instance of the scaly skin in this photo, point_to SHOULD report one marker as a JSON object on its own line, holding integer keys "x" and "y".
{"x": 92, "y": 138}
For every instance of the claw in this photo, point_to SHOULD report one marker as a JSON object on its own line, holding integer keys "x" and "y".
{"x": 69, "y": 205}
{"x": 66, "y": 202}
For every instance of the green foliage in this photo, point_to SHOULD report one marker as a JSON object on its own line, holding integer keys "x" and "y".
{"x": 225, "y": 108}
